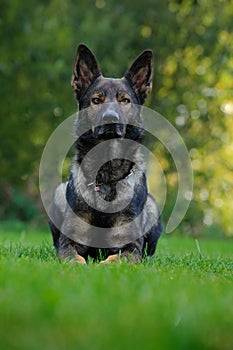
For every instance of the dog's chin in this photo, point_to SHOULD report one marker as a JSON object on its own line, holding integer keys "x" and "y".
{"x": 107, "y": 132}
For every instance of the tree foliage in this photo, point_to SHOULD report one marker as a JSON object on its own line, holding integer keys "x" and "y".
{"x": 192, "y": 42}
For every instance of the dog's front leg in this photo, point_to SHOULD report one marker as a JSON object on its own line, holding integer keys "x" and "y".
{"x": 132, "y": 252}
{"x": 127, "y": 255}
{"x": 131, "y": 256}
{"x": 67, "y": 252}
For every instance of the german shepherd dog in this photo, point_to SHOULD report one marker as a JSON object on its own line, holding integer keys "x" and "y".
{"x": 109, "y": 111}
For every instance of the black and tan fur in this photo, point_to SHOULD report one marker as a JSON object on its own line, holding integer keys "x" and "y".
{"x": 109, "y": 112}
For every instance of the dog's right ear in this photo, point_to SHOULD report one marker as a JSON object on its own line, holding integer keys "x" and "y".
{"x": 86, "y": 70}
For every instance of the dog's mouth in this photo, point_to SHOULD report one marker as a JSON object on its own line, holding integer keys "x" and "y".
{"x": 109, "y": 131}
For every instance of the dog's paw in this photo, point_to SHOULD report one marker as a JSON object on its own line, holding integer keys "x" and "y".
{"x": 71, "y": 257}
{"x": 111, "y": 259}
{"x": 80, "y": 259}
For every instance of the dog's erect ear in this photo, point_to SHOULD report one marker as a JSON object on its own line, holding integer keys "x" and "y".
{"x": 140, "y": 75}
{"x": 86, "y": 70}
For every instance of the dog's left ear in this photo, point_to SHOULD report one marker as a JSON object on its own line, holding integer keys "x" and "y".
{"x": 140, "y": 75}
{"x": 86, "y": 70}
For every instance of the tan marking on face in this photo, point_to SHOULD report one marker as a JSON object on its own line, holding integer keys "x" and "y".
{"x": 123, "y": 98}
{"x": 98, "y": 98}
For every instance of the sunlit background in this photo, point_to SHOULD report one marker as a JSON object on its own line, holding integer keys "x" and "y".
{"x": 192, "y": 43}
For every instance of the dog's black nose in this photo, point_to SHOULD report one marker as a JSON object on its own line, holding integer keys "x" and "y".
{"x": 110, "y": 116}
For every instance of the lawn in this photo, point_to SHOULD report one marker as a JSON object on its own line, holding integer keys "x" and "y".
{"x": 182, "y": 299}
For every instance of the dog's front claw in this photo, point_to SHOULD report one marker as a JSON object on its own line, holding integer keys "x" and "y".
{"x": 70, "y": 256}
{"x": 111, "y": 259}
{"x": 80, "y": 259}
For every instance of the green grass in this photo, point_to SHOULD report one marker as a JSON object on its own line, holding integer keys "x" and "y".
{"x": 182, "y": 299}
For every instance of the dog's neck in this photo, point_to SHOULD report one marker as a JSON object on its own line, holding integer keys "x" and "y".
{"x": 113, "y": 171}
{"x": 118, "y": 167}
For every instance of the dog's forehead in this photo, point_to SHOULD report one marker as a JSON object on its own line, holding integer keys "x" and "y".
{"x": 110, "y": 86}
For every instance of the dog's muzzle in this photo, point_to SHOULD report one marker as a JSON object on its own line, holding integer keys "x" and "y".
{"x": 110, "y": 116}
{"x": 111, "y": 126}
{"x": 109, "y": 131}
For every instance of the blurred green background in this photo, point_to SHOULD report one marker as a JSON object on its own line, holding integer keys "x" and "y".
{"x": 193, "y": 88}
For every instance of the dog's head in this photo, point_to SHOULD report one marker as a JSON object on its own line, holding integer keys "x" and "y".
{"x": 111, "y": 103}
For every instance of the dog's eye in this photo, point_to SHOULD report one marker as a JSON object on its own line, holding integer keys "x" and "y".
{"x": 125, "y": 101}
{"x": 96, "y": 100}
